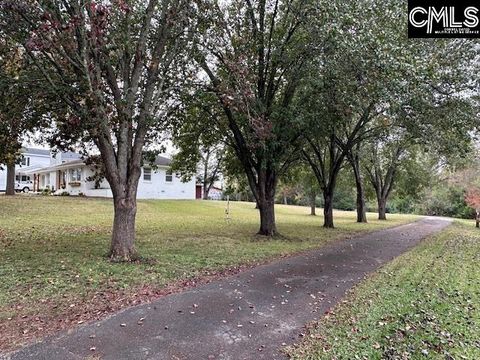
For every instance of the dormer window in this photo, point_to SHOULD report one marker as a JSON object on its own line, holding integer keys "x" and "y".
{"x": 25, "y": 161}
{"x": 168, "y": 176}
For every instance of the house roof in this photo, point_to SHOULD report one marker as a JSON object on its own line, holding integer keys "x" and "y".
{"x": 27, "y": 169}
{"x": 162, "y": 161}
{"x": 69, "y": 155}
{"x": 35, "y": 151}
{"x": 65, "y": 165}
{"x": 159, "y": 161}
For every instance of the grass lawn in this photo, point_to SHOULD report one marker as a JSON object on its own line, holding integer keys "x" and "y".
{"x": 423, "y": 305}
{"x": 54, "y": 273}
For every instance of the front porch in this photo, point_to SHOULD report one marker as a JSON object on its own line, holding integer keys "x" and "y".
{"x": 72, "y": 177}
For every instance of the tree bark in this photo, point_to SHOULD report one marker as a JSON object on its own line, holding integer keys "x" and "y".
{"x": 326, "y": 172}
{"x": 265, "y": 198}
{"x": 361, "y": 208}
{"x": 354, "y": 159}
{"x": 313, "y": 204}
{"x": 123, "y": 233}
{"x": 477, "y": 219}
{"x": 361, "y": 211}
{"x": 123, "y": 181}
{"x": 267, "y": 217}
{"x": 383, "y": 187}
{"x": 206, "y": 187}
{"x": 382, "y": 208}
{"x": 10, "y": 186}
{"x": 328, "y": 209}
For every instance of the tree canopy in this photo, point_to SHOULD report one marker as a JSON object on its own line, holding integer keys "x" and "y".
{"x": 114, "y": 66}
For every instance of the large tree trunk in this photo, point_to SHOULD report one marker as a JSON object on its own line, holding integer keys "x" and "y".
{"x": 263, "y": 189}
{"x": 123, "y": 233}
{"x": 313, "y": 205}
{"x": 267, "y": 217}
{"x": 10, "y": 187}
{"x": 206, "y": 190}
{"x": 382, "y": 208}
{"x": 328, "y": 209}
{"x": 266, "y": 204}
{"x": 361, "y": 210}
{"x": 206, "y": 187}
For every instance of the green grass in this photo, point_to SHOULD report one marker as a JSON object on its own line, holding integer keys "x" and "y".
{"x": 423, "y": 305}
{"x": 52, "y": 249}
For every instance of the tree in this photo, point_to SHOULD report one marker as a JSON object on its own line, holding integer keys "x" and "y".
{"x": 417, "y": 172}
{"x": 437, "y": 123}
{"x": 298, "y": 186}
{"x": 368, "y": 73}
{"x": 20, "y": 108}
{"x": 384, "y": 158}
{"x": 472, "y": 198}
{"x": 446, "y": 195}
{"x": 353, "y": 157}
{"x": 309, "y": 186}
{"x": 343, "y": 95}
{"x": 114, "y": 66}
{"x": 253, "y": 56}
{"x": 207, "y": 160}
{"x": 200, "y": 142}
{"x": 287, "y": 191}
{"x": 211, "y": 167}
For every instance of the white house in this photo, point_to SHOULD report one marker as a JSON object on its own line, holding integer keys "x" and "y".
{"x": 215, "y": 193}
{"x": 69, "y": 173}
{"x": 32, "y": 159}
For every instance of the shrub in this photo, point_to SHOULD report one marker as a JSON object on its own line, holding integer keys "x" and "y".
{"x": 446, "y": 201}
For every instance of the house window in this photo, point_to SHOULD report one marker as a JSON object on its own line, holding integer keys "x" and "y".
{"x": 75, "y": 174}
{"x": 147, "y": 174}
{"x": 168, "y": 176}
{"x": 25, "y": 161}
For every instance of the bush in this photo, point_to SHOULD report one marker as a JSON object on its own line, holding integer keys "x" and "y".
{"x": 345, "y": 199}
{"x": 404, "y": 205}
{"x": 445, "y": 201}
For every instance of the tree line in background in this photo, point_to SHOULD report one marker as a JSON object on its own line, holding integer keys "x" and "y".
{"x": 273, "y": 94}
{"x": 420, "y": 188}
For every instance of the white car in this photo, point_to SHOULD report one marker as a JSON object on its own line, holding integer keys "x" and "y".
{"x": 24, "y": 186}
